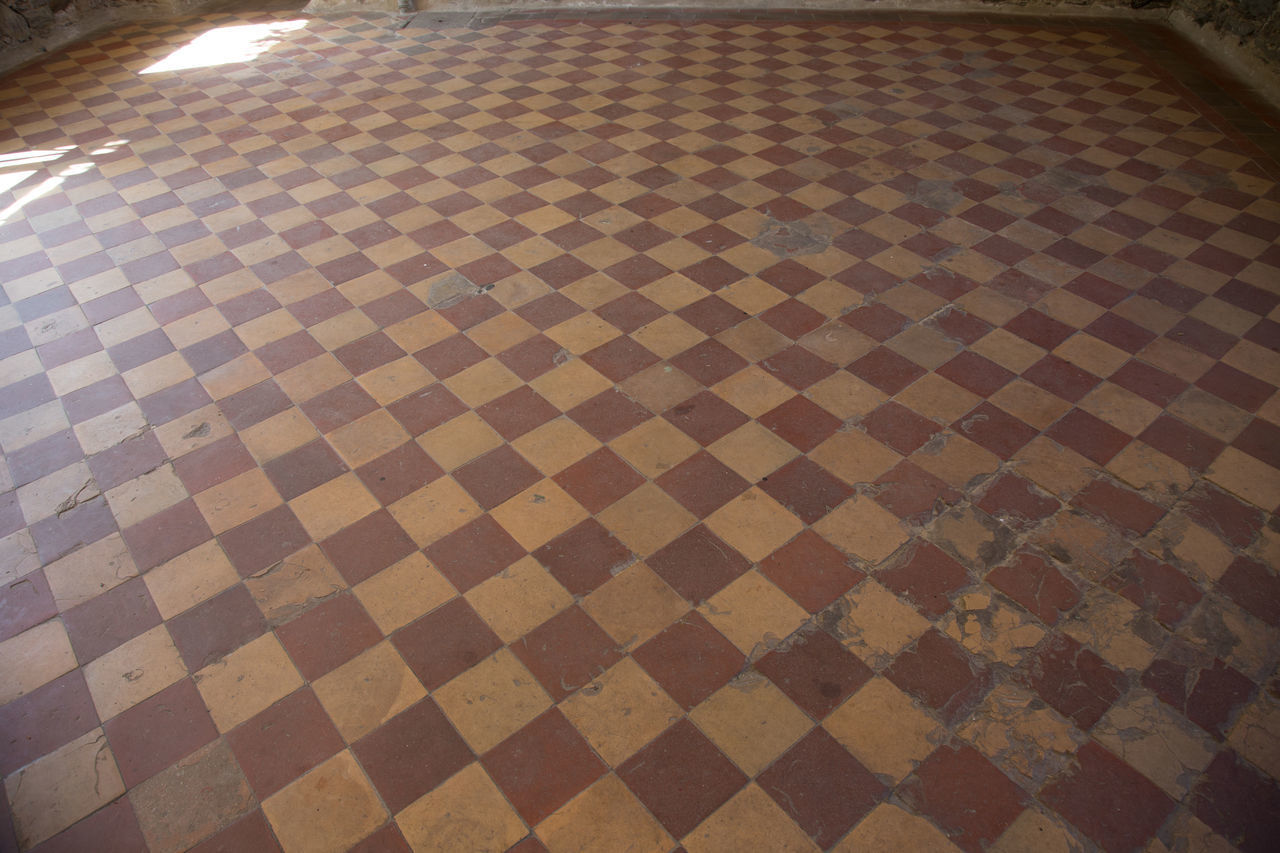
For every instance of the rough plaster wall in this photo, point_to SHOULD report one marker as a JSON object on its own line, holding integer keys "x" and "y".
{"x": 1255, "y": 23}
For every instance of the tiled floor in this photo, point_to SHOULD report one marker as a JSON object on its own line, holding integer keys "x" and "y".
{"x": 615, "y": 435}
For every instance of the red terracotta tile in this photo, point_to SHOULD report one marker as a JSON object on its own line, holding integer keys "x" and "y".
{"x": 942, "y": 675}
{"x": 399, "y": 473}
{"x": 609, "y": 414}
{"x": 389, "y": 839}
{"x": 367, "y": 353}
{"x": 214, "y": 628}
{"x": 158, "y": 731}
{"x": 681, "y": 777}
{"x": 690, "y": 659}
{"x": 496, "y": 476}
{"x": 264, "y": 541}
{"x": 793, "y": 318}
{"x": 426, "y": 409}
{"x": 584, "y": 557}
{"x": 709, "y": 362}
{"x": 368, "y": 546}
{"x": 281, "y": 743}
{"x": 474, "y": 553}
{"x": 886, "y": 370}
{"x": 975, "y": 373}
{"x": 411, "y": 754}
{"x": 1122, "y": 507}
{"x": 878, "y": 320}
{"x": 289, "y": 351}
{"x": 1087, "y": 435}
{"x": 112, "y": 829}
{"x": 1236, "y": 522}
{"x": 1088, "y": 794}
{"x": 174, "y": 402}
{"x": 338, "y": 406}
{"x": 619, "y": 358}
{"x": 255, "y": 404}
{"x": 566, "y": 652}
{"x": 1075, "y": 681}
{"x": 913, "y": 494}
{"x": 25, "y": 603}
{"x": 107, "y": 620}
{"x": 711, "y": 315}
{"x": 1255, "y": 587}
{"x": 1159, "y": 588}
{"x": 824, "y": 788}
{"x": 214, "y": 351}
{"x": 698, "y": 564}
{"x": 702, "y": 484}
{"x": 1184, "y": 443}
{"x": 127, "y": 460}
{"x": 927, "y": 577}
{"x": 517, "y": 412}
{"x": 801, "y": 422}
{"x": 1238, "y": 802}
{"x": 1034, "y": 583}
{"x": 1202, "y": 337}
{"x": 87, "y": 523}
{"x": 705, "y": 417}
{"x": 543, "y": 766}
{"x": 303, "y": 469}
{"x": 96, "y": 399}
{"x": 328, "y": 635}
{"x": 815, "y": 671}
{"x": 1062, "y": 378}
{"x": 1261, "y": 440}
{"x": 40, "y": 721}
{"x": 450, "y": 356}
{"x": 1039, "y": 329}
{"x": 140, "y": 350}
{"x": 970, "y": 800}
{"x": 251, "y": 832}
{"x": 1017, "y": 501}
{"x": 899, "y": 427}
{"x": 798, "y": 367}
{"x": 445, "y": 642}
{"x": 212, "y": 464}
{"x": 599, "y": 480}
{"x": 531, "y": 358}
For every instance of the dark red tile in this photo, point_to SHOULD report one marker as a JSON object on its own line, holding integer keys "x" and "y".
{"x": 25, "y": 603}
{"x": 289, "y": 351}
{"x": 619, "y": 358}
{"x": 265, "y": 541}
{"x": 702, "y": 484}
{"x": 878, "y": 320}
{"x": 389, "y": 839}
{"x": 43, "y": 719}
{"x": 251, "y": 832}
{"x": 1034, "y": 583}
{"x": 1061, "y": 377}
{"x": 711, "y": 315}
{"x": 690, "y": 659}
{"x": 709, "y": 362}
{"x": 43, "y": 457}
{"x": 584, "y": 557}
{"x": 107, "y": 620}
{"x": 913, "y": 494}
{"x": 302, "y": 470}
{"x": 365, "y": 548}
{"x": 138, "y": 351}
{"x": 1110, "y": 802}
{"x": 158, "y": 731}
{"x": 1236, "y": 386}
{"x": 214, "y": 351}
{"x": 446, "y": 642}
{"x": 255, "y": 404}
{"x": 681, "y": 777}
{"x": 599, "y": 480}
{"x": 942, "y": 675}
{"x": 566, "y": 652}
{"x": 85, "y": 524}
{"x": 1087, "y": 435}
{"x": 1075, "y": 680}
{"x": 279, "y": 744}
{"x": 959, "y": 325}
{"x": 801, "y": 422}
{"x": 698, "y": 564}
{"x": 323, "y": 306}
{"x": 1040, "y": 329}
{"x": 1238, "y": 802}
{"x": 338, "y": 406}
{"x": 1016, "y": 501}
{"x": 1122, "y": 507}
{"x": 212, "y": 464}
{"x": 426, "y": 409}
{"x": 1238, "y": 523}
{"x": 1202, "y": 337}
{"x": 517, "y": 412}
{"x": 1183, "y": 443}
{"x": 96, "y": 399}
{"x": 926, "y": 577}
{"x": 609, "y": 414}
{"x": 1261, "y": 440}
{"x": 793, "y": 318}
{"x": 705, "y": 417}
{"x": 976, "y": 374}
{"x": 966, "y": 795}
{"x": 112, "y": 829}
{"x": 822, "y": 787}
{"x": 474, "y": 553}
{"x": 328, "y": 635}
{"x": 174, "y": 402}
{"x": 899, "y": 427}
{"x": 1121, "y": 333}
{"x": 798, "y": 367}
{"x": 534, "y": 357}
{"x": 127, "y": 460}
{"x": 816, "y": 671}
{"x": 543, "y": 766}
{"x": 398, "y": 473}
{"x": 811, "y": 571}
{"x": 497, "y": 476}
{"x": 1207, "y": 692}
{"x": 1157, "y": 587}
{"x": 411, "y": 754}
{"x": 1255, "y": 587}
{"x": 214, "y": 628}
{"x": 886, "y": 370}
{"x": 367, "y": 353}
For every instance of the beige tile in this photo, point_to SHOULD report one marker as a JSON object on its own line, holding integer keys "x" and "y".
{"x": 1023, "y": 736}
{"x": 582, "y": 333}
{"x": 1157, "y": 742}
{"x": 752, "y": 721}
{"x": 845, "y": 395}
{"x": 326, "y": 811}
{"x": 621, "y": 711}
{"x": 569, "y": 384}
{"x": 404, "y": 591}
{"x": 367, "y": 438}
{"x": 483, "y": 382}
{"x": 1035, "y": 831}
{"x": 48, "y": 495}
{"x": 888, "y": 827}
{"x": 646, "y": 519}
{"x": 1240, "y": 473}
{"x": 133, "y": 671}
{"x": 884, "y": 729}
{"x": 606, "y": 816}
{"x": 956, "y": 460}
{"x": 753, "y": 613}
{"x": 1054, "y": 468}
{"x": 1256, "y": 735}
{"x": 654, "y": 447}
{"x": 634, "y": 605}
{"x": 753, "y": 451}
{"x": 58, "y": 789}
{"x": 877, "y": 624}
{"x": 434, "y": 510}
{"x": 492, "y": 700}
{"x": 107, "y": 430}
{"x": 294, "y": 585}
{"x": 854, "y": 456}
{"x": 140, "y": 498}
{"x": 753, "y": 391}
{"x": 467, "y": 812}
{"x": 751, "y": 820}
{"x": 251, "y": 678}
{"x": 755, "y": 524}
{"x": 863, "y": 528}
{"x": 539, "y": 514}
{"x": 368, "y": 690}
{"x": 278, "y": 434}
{"x": 555, "y": 445}
{"x": 518, "y": 599}
{"x": 459, "y": 440}
{"x": 240, "y": 499}
{"x": 326, "y": 509}
{"x": 190, "y": 578}
{"x": 395, "y": 380}
{"x": 989, "y": 627}
{"x": 90, "y": 571}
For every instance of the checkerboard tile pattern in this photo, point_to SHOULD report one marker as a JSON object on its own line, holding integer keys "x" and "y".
{"x": 563, "y": 435}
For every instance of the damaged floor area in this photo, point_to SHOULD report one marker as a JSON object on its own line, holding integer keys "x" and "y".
{"x": 851, "y": 433}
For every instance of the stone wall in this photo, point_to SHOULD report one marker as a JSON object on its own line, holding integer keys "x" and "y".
{"x": 1253, "y": 23}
